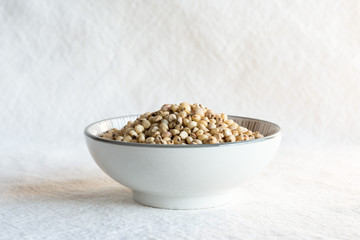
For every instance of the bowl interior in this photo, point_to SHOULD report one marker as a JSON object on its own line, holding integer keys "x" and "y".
{"x": 264, "y": 127}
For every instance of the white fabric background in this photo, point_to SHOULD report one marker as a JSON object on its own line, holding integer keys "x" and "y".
{"x": 65, "y": 64}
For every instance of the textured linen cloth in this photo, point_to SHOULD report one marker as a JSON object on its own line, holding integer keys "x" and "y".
{"x": 65, "y": 64}
{"x": 62, "y": 194}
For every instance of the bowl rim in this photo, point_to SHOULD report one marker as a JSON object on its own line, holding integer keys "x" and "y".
{"x": 228, "y": 144}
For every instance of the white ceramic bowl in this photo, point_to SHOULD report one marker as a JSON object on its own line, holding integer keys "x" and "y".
{"x": 183, "y": 176}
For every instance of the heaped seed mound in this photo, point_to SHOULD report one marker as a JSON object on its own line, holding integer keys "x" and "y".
{"x": 182, "y": 124}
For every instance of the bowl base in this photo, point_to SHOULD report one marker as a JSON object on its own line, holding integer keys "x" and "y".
{"x": 182, "y": 202}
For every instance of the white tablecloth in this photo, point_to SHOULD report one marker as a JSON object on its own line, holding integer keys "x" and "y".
{"x": 62, "y": 194}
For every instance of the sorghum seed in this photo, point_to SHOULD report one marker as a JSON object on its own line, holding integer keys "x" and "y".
{"x": 235, "y": 133}
{"x": 133, "y": 133}
{"x": 182, "y": 114}
{"x": 158, "y": 118}
{"x": 195, "y": 129}
{"x": 185, "y": 107}
{"x": 218, "y": 118}
{"x": 179, "y": 127}
{"x": 233, "y": 127}
{"x": 227, "y": 132}
{"x": 175, "y": 132}
{"x": 186, "y": 122}
{"x": 139, "y": 128}
{"x": 196, "y": 117}
{"x": 119, "y": 138}
{"x": 224, "y": 116}
{"x": 164, "y": 126}
{"x": 172, "y": 124}
{"x": 179, "y": 120}
{"x": 199, "y": 111}
{"x": 177, "y": 140}
{"x": 230, "y": 138}
{"x": 154, "y": 129}
{"x": 166, "y": 134}
{"x": 230, "y": 122}
{"x": 210, "y": 114}
{"x": 213, "y": 121}
{"x": 141, "y": 138}
{"x": 193, "y": 135}
{"x": 150, "y": 140}
{"x": 223, "y": 125}
{"x": 248, "y": 132}
{"x": 218, "y": 136}
{"x": 183, "y": 135}
{"x": 258, "y": 135}
{"x": 146, "y": 124}
{"x": 165, "y": 121}
{"x": 203, "y": 137}
{"x": 214, "y": 131}
{"x": 167, "y": 139}
{"x": 127, "y": 138}
{"x": 213, "y": 140}
{"x": 158, "y": 138}
{"x": 240, "y": 137}
{"x": 187, "y": 130}
{"x": 202, "y": 126}
{"x": 189, "y": 140}
{"x": 200, "y": 132}
{"x": 166, "y": 107}
{"x": 242, "y": 129}
{"x": 164, "y": 114}
{"x": 172, "y": 117}
{"x": 192, "y": 124}
{"x": 174, "y": 108}
{"x": 107, "y": 136}
{"x": 203, "y": 123}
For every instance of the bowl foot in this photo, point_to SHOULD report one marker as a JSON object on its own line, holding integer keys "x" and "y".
{"x": 182, "y": 202}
